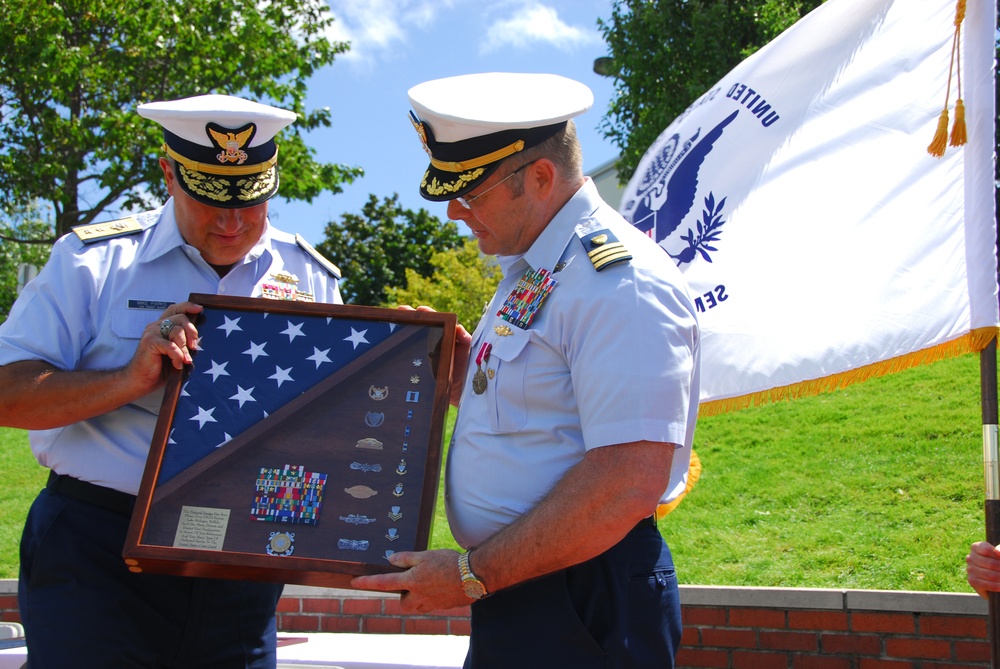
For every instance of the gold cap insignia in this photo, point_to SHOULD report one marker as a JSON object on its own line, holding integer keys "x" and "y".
{"x": 231, "y": 143}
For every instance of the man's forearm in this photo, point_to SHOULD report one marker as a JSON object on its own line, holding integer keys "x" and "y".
{"x": 34, "y": 395}
{"x": 588, "y": 511}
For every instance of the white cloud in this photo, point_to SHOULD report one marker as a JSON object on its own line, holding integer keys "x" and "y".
{"x": 535, "y": 23}
{"x": 375, "y": 27}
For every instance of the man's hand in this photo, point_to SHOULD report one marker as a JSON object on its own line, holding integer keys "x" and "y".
{"x": 982, "y": 568}
{"x": 431, "y": 581}
{"x": 146, "y": 369}
{"x": 460, "y": 364}
{"x": 34, "y": 395}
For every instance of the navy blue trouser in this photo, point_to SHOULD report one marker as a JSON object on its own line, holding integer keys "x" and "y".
{"x": 620, "y": 610}
{"x": 82, "y": 608}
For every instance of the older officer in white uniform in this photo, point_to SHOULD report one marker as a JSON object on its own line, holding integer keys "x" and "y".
{"x": 578, "y": 406}
{"x": 83, "y": 357}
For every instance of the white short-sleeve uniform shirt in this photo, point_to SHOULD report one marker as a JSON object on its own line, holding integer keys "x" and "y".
{"x": 87, "y": 308}
{"x": 611, "y": 357}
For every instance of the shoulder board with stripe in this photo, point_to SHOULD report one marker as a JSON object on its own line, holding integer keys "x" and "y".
{"x": 95, "y": 232}
{"x": 315, "y": 255}
{"x": 604, "y": 249}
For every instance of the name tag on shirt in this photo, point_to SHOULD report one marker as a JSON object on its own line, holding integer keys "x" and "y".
{"x": 152, "y": 305}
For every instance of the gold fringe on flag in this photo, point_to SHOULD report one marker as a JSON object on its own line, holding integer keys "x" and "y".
{"x": 694, "y": 473}
{"x": 958, "y": 134}
{"x": 973, "y": 342}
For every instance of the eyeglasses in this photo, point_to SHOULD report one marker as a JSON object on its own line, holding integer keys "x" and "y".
{"x": 467, "y": 202}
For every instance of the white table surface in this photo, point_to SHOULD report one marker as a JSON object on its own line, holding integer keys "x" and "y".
{"x": 343, "y": 651}
{"x": 372, "y": 651}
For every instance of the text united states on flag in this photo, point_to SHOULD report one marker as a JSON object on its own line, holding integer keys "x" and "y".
{"x": 822, "y": 241}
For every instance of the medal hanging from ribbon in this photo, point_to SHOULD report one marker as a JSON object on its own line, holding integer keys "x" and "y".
{"x": 479, "y": 377}
{"x": 525, "y": 301}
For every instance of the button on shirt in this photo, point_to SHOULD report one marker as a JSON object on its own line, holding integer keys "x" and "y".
{"x": 611, "y": 357}
{"x": 88, "y": 307}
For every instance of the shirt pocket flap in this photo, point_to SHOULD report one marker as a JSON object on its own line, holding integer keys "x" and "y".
{"x": 129, "y": 323}
{"x": 508, "y": 348}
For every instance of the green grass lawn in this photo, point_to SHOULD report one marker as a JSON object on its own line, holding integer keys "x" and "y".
{"x": 878, "y": 486}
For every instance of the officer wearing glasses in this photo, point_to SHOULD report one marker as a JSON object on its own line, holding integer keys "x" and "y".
{"x": 577, "y": 402}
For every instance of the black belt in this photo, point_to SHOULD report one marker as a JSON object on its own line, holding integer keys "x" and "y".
{"x": 106, "y": 498}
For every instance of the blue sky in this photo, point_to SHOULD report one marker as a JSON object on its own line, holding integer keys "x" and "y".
{"x": 396, "y": 44}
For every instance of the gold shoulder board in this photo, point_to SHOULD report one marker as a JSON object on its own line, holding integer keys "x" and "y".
{"x": 95, "y": 232}
{"x": 315, "y": 255}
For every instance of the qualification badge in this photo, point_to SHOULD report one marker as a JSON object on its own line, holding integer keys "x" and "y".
{"x": 281, "y": 543}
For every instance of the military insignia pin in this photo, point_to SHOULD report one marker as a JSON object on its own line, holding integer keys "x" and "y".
{"x": 281, "y": 543}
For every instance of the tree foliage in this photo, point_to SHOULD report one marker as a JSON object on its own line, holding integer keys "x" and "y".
{"x": 463, "y": 282}
{"x": 23, "y": 223}
{"x": 73, "y": 71}
{"x": 374, "y": 250}
{"x": 666, "y": 53}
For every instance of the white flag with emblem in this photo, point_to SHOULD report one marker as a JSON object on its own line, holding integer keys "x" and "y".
{"x": 822, "y": 240}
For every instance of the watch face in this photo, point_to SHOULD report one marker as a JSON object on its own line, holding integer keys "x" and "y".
{"x": 474, "y": 589}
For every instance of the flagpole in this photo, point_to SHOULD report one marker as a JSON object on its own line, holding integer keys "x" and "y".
{"x": 991, "y": 467}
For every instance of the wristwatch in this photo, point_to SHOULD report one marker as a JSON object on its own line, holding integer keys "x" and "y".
{"x": 472, "y": 586}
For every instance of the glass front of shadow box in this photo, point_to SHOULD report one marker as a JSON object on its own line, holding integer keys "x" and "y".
{"x": 303, "y": 445}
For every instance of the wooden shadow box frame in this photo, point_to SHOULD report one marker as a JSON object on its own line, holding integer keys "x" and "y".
{"x": 302, "y": 445}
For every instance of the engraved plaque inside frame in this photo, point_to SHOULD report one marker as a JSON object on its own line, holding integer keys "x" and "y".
{"x": 303, "y": 445}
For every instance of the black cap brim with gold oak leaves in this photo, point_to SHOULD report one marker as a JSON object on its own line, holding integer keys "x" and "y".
{"x": 230, "y": 174}
{"x": 458, "y": 167}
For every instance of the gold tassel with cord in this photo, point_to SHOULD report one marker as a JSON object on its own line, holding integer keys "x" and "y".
{"x": 940, "y": 141}
{"x": 958, "y": 134}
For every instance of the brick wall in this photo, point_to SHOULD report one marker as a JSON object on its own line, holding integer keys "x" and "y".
{"x": 761, "y": 628}
{"x": 724, "y": 628}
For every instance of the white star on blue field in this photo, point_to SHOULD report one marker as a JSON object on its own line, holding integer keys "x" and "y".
{"x": 248, "y": 366}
